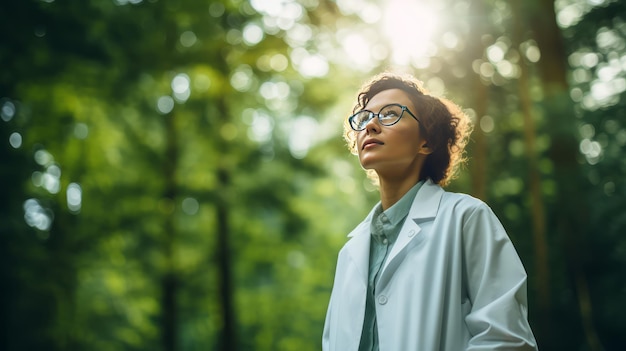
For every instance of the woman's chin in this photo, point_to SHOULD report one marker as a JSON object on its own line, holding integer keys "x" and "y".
{"x": 368, "y": 160}
{"x": 367, "y": 164}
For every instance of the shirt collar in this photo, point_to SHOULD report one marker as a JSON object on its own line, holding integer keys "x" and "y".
{"x": 393, "y": 215}
{"x": 400, "y": 209}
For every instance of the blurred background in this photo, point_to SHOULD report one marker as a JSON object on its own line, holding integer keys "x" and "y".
{"x": 173, "y": 175}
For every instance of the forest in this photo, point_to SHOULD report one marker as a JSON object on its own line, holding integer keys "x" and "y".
{"x": 173, "y": 174}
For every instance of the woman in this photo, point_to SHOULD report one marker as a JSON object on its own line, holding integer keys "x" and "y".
{"x": 427, "y": 269}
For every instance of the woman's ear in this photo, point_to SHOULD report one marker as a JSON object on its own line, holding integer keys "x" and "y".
{"x": 425, "y": 149}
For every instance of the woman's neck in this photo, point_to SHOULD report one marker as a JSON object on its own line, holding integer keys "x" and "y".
{"x": 398, "y": 180}
{"x": 391, "y": 191}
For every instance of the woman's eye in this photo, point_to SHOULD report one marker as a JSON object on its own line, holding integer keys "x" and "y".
{"x": 389, "y": 114}
{"x": 365, "y": 117}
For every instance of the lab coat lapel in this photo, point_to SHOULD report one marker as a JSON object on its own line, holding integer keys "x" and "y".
{"x": 358, "y": 247}
{"x": 425, "y": 205}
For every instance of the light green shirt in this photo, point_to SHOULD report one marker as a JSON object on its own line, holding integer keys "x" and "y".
{"x": 384, "y": 227}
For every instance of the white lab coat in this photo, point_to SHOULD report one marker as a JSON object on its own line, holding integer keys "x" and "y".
{"x": 452, "y": 281}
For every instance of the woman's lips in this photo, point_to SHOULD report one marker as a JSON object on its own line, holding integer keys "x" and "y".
{"x": 368, "y": 144}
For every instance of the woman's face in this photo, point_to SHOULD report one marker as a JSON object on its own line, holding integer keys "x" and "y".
{"x": 396, "y": 150}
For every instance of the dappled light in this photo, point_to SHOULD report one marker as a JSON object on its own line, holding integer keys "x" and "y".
{"x": 43, "y": 157}
{"x": 531, "y": 51}
{"x": 252, "y": 34}
{"x": 487, "y": 124}
{"x": 188, "y": 39}
{"x": 81, "y": 130}
{"x": 504, "y": 60}
{"x": 175, "y": 177}
{"x": 603, "y": 71}
{"x": 190, "y": 206}
{"x": 606, "y": 85}
{"x": 274, "y": 90}
{"x": 592, "y": 150}
{"x": 15, "y": 139}
{"x": 261, "y": 127}
{"x": 358, "y": 49}
{"x": 7, "y": 110}
{"x": 299, "y": 35}
{"x": 181, "y": 87}
{"x": 570, "y": 12}
{"x": 242, "y": 78}
{"x": 276, "y": 62}
{"x": 310, "y": 65}
{"x": 48, "y": 180}
{"x": 74, "y": 197}
{"x": 165, "y": 104}
{"x": 127, "y": 2}
{"x": 302, "y": 133}
{"x": 37, "y": 216}
{"x": 278, "y": 14}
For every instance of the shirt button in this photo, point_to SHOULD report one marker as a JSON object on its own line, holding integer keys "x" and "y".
{"x": 385, "y": 241}
{"x": 382, "y": 299}
{"x": 411, "y": 233}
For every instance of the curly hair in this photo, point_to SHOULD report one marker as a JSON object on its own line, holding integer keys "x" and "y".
{"x": 445, "y": 126}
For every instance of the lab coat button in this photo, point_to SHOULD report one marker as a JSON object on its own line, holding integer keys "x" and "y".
{"x": 382, "y": 299}
{"x": 411, "y": 233}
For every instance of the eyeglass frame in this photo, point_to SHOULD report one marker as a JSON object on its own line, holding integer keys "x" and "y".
{"x": 379, "y": 115}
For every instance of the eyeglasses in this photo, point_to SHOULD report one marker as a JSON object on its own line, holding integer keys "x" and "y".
{"x": 387, "y": 116}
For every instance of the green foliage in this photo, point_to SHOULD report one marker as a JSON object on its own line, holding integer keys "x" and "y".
{"x": 180, "y": 181}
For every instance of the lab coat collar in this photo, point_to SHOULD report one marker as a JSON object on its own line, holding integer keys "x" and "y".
{"x": 425, "y": 205}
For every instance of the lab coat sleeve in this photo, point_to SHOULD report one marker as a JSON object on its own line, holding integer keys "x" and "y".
{"x": 495, "y": 281}
{"x": 326, "y": 333}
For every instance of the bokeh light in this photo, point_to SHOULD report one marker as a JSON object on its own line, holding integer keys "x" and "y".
{"x": 81, "y": 131}
{"x": 74, "y": 196}
{"x": 190, "y": 206}
{"x": 252, "y": 34}
{"x": 165, "y": 104}
{"x": 37, "y": 216}
{"x": 181, "y": 87}
{"x": 7, "y": 110}
{"x": 15, "y": 139}
{"x": 188, "y": 38}
{"x": 303, "y": 131}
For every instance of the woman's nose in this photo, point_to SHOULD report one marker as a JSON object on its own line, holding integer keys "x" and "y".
{"x": 373, "y": 124}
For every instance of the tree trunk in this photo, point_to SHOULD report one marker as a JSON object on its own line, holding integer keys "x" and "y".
{"x": 570, "y": 210}
{"x": 479, "y": 151}
{"x": 228, "y": 340}
{"x": 479, "y": 93}
{"x": 170, "y": 280}
{"x": 537, "y": 206}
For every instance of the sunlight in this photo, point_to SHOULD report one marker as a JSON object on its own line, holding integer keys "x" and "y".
{"x": 409, "y": 26}
{"x": 357, "y": 49}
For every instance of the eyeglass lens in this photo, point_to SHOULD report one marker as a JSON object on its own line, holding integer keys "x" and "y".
{"x": 388, "y": 115}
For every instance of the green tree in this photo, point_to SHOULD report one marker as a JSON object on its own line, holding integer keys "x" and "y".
{"x": 175, "y": 177}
